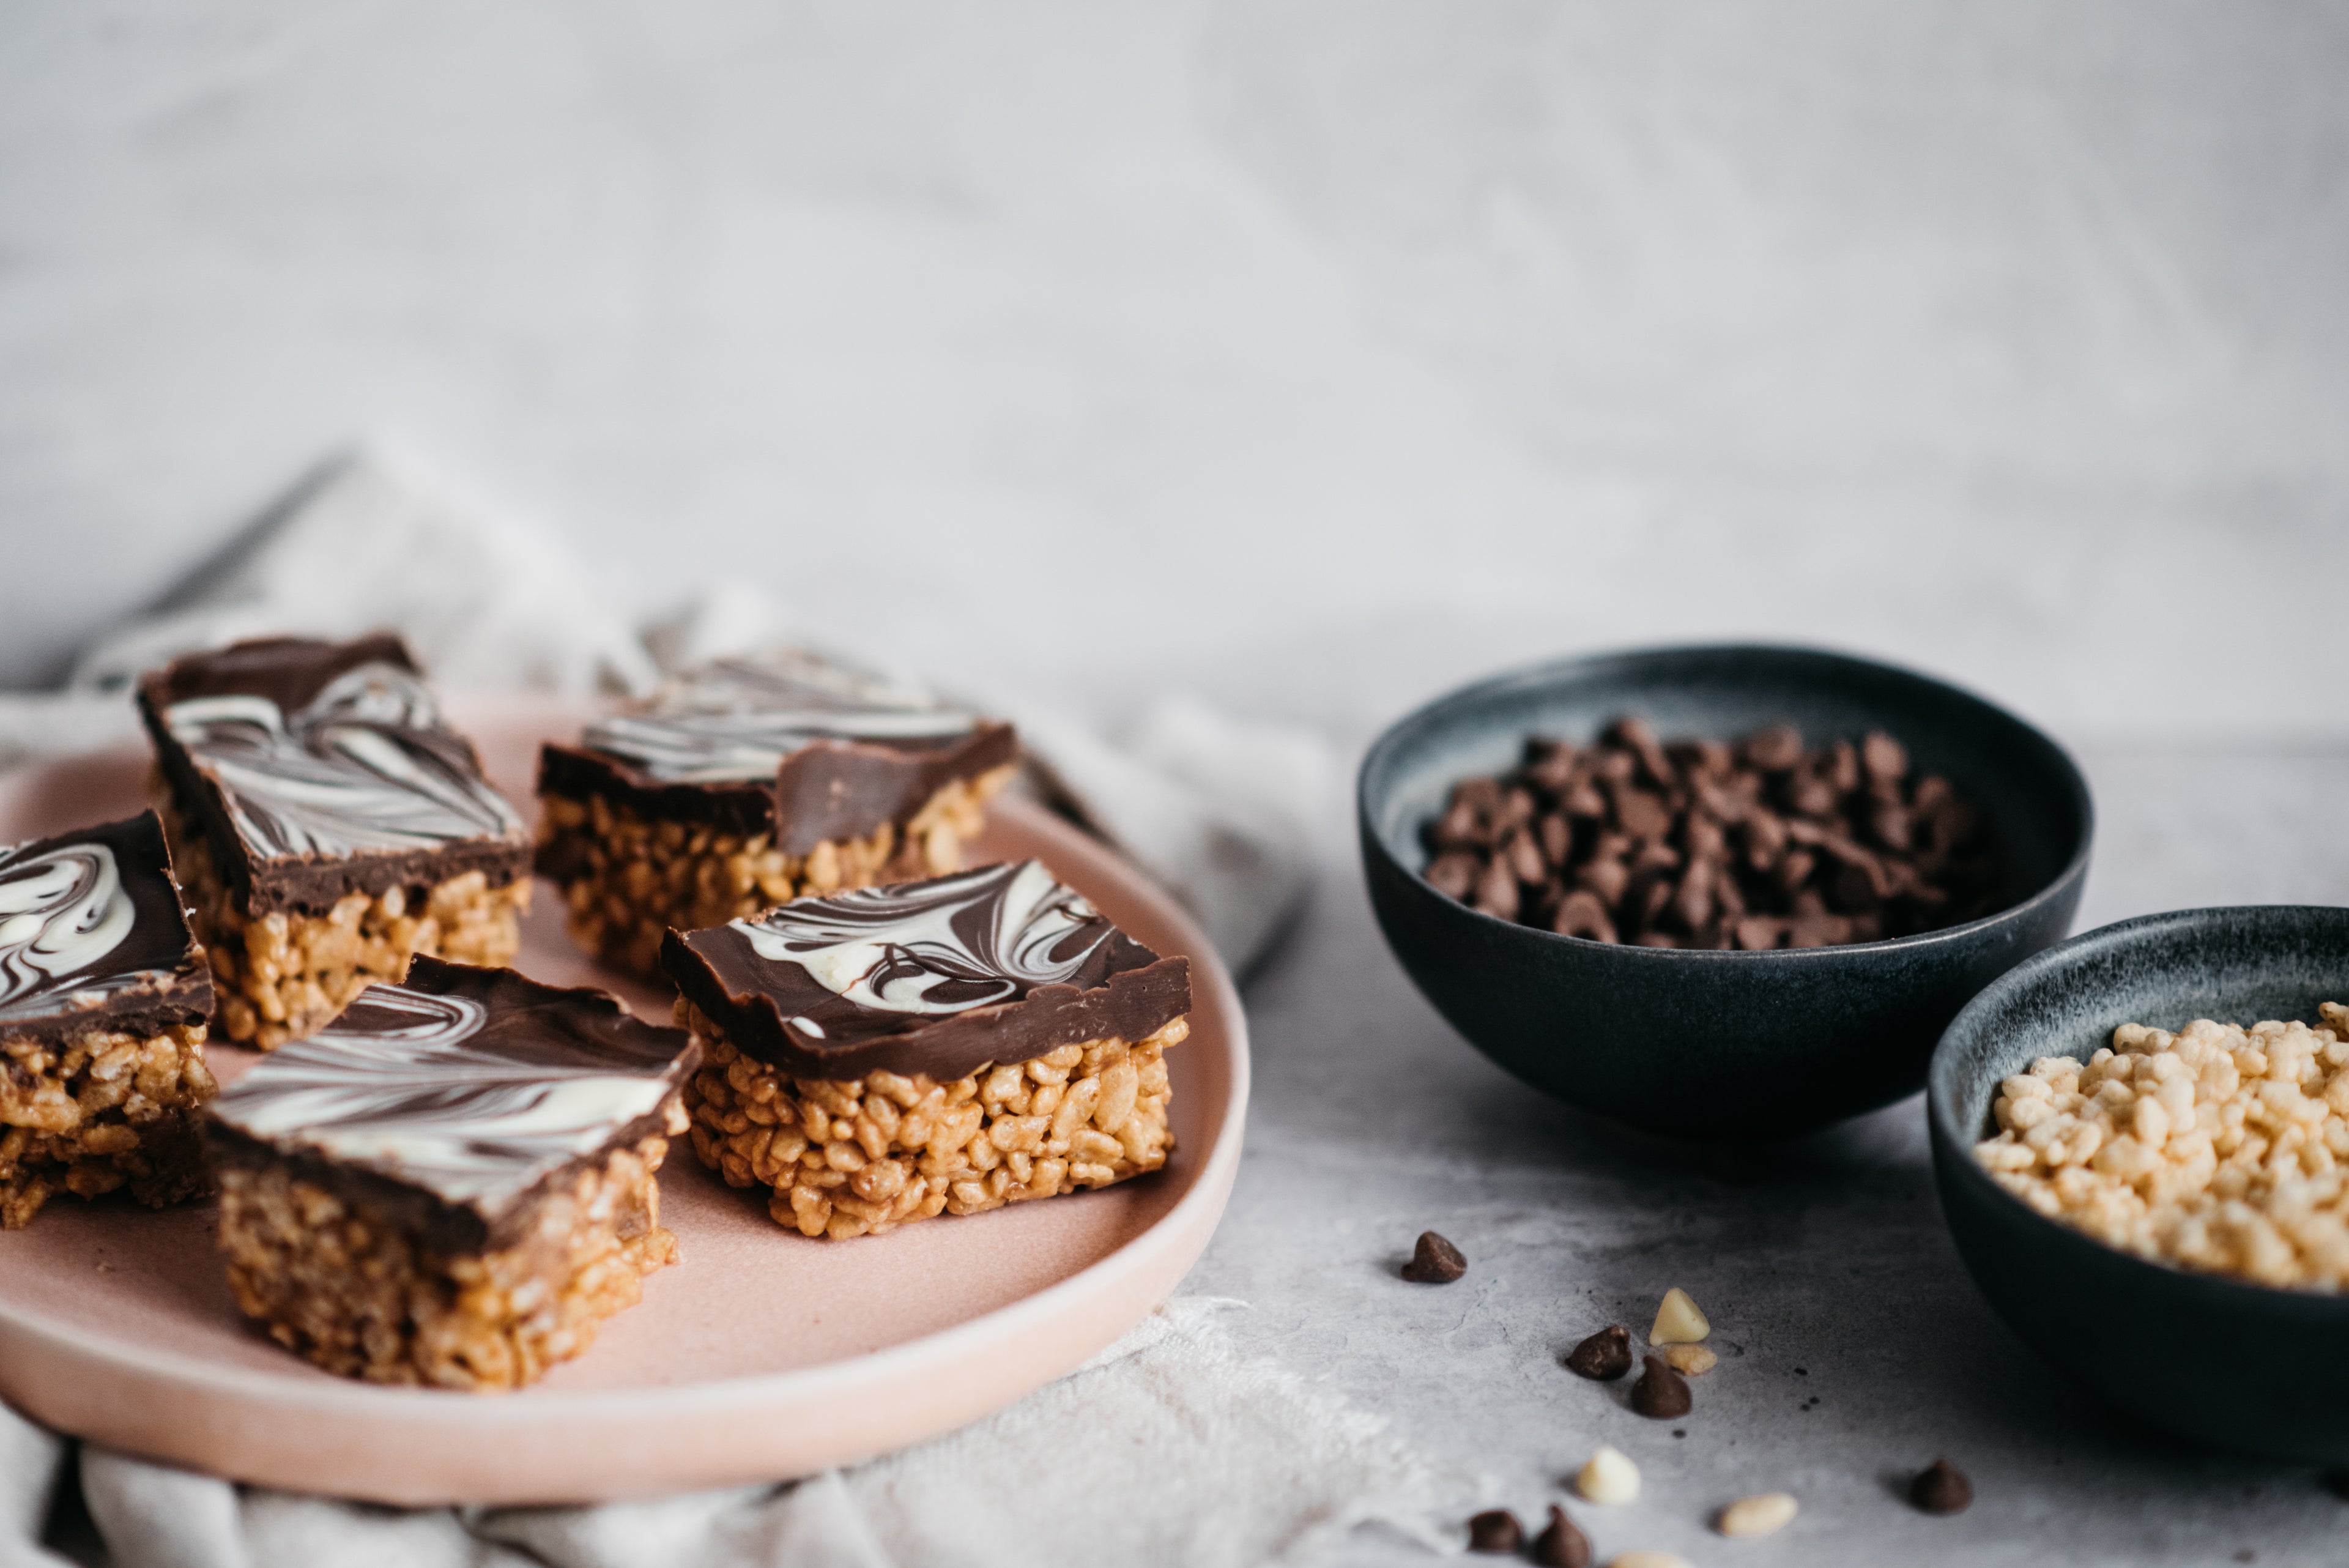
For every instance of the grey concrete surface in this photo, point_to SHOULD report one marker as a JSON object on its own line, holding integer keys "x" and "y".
{"x": 1854, "y": 1347}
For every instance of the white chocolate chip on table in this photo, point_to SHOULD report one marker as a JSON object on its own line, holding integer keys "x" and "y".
{"x": 1648, "y": 1559}
{"x": 1678, "y": 1320}
{"x": 1759, "y": 1515}
{"x": 1608, "y": 1477}
{"x": 1691, "y": 1360}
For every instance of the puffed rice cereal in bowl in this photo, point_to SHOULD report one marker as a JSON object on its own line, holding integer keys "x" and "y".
{"x": 2217, "y": 1149}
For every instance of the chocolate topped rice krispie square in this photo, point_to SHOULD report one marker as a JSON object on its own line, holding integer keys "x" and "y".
{"x": 889, "y": 1054}
{"x": 747, "y": 782}
{"x": 103, "y": 1001}
{"x": 454, "y": 1184}
{"x": 328, "y": 825}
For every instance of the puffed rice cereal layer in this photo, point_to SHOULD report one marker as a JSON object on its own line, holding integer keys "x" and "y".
{"x": 862, "y": 1156}
{"x": 105, "y": 1110}
{"x": 283, "y": 976}
{"x": 627, "y": 878}
{"x": 2217, "y": 1149}
{"x": 341, "y": 1283}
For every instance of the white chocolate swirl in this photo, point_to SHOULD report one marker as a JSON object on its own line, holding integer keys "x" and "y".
{"x": 737, "y": 719}
{"x": 62, "y": 912}
{"x": 937, "y": 947}
{"x": 401, "y": 1084}
{"x": 368, "y": 764}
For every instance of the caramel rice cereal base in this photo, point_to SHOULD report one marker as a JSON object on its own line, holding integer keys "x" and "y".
{"x": 282, "y": 975}
{"x": 858, "y": 1156}
{"x": 627, "y": 878}
{"x": 105, "y": 1110}
{"x": 342, "y": 1284}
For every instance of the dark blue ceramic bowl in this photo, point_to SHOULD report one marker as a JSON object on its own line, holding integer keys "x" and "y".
{"x": 1747, "y": 1046}
{"x": 2211, "y": 1359}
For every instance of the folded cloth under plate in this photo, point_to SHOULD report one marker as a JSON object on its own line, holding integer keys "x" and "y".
{"x": 1171, "y": 1448}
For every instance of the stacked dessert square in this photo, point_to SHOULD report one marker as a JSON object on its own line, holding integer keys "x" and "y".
{"x": 454, "y": 1185}
{"x": 328, "y": 826}
{"x": 103, "y": 1003}
{"x": 889, "y": 1054}
{"x": 749, "y": 782}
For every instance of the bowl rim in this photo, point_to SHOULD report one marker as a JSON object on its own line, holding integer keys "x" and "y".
{"x": 1954, "y": 1147}
{"x": 2056, "y": 886}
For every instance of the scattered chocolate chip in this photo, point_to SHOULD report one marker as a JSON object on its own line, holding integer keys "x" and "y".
{"x": 1942, "y": 1488}
{"x": 2247, "y": 1555}
{"x": 1562, "y": 1546}
{"x": 1660, "y": 1394}
{"x": 1604, "y": 1356}
{"x": 1494, "y": 1529}
{"x": 1435, "y": 1262}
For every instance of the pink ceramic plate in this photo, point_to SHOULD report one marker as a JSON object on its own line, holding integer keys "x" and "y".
{"x": 759, "y": 1356}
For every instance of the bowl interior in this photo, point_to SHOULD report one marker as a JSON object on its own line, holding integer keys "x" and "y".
{"x": 2033, "y": 800}
{"x": 2235, "y": 966}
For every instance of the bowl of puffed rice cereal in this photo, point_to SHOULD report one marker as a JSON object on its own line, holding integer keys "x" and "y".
{"x": 1731, "y": 892}
{"x": 2141, "y": 1137}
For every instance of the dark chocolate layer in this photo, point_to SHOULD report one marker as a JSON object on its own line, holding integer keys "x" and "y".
{"x": 462, "y": 1097}
{"x": 835, "y": 790}
{"x": 92, "y": 935}
{"x": 316, "y": 769}
{"x": 1000, "y": 964}
{"x": 798, "y": 748}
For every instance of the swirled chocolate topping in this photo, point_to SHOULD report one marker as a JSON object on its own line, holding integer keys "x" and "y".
{"x": 1000, "y": 964}
{"x": 784, "y": 743}
{"x": 320, "y": 768}
{"x": 472, "y": 1088}
{"x": 737, "y": 719}
{"x": 92, "y": 935}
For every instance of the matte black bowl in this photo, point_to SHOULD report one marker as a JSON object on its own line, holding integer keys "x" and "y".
{"x": 1749, "y": 1046}
{"x": 2212, "y": 1359}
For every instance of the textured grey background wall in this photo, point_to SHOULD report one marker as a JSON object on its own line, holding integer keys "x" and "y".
{"x": 1314, "y": 355}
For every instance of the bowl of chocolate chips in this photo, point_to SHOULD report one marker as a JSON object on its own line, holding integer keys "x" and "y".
{"x": 1717, "y": 892}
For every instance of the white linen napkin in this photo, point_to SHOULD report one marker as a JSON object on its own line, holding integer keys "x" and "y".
{"x": 1219, "y": 811}
{"x": 1170, "y": 1449}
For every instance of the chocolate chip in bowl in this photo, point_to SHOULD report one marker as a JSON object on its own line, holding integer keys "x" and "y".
{"x": 1619, "y": 979}
{"x": 2136, "y": 1273}
{"x": 1755, "y": 844}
